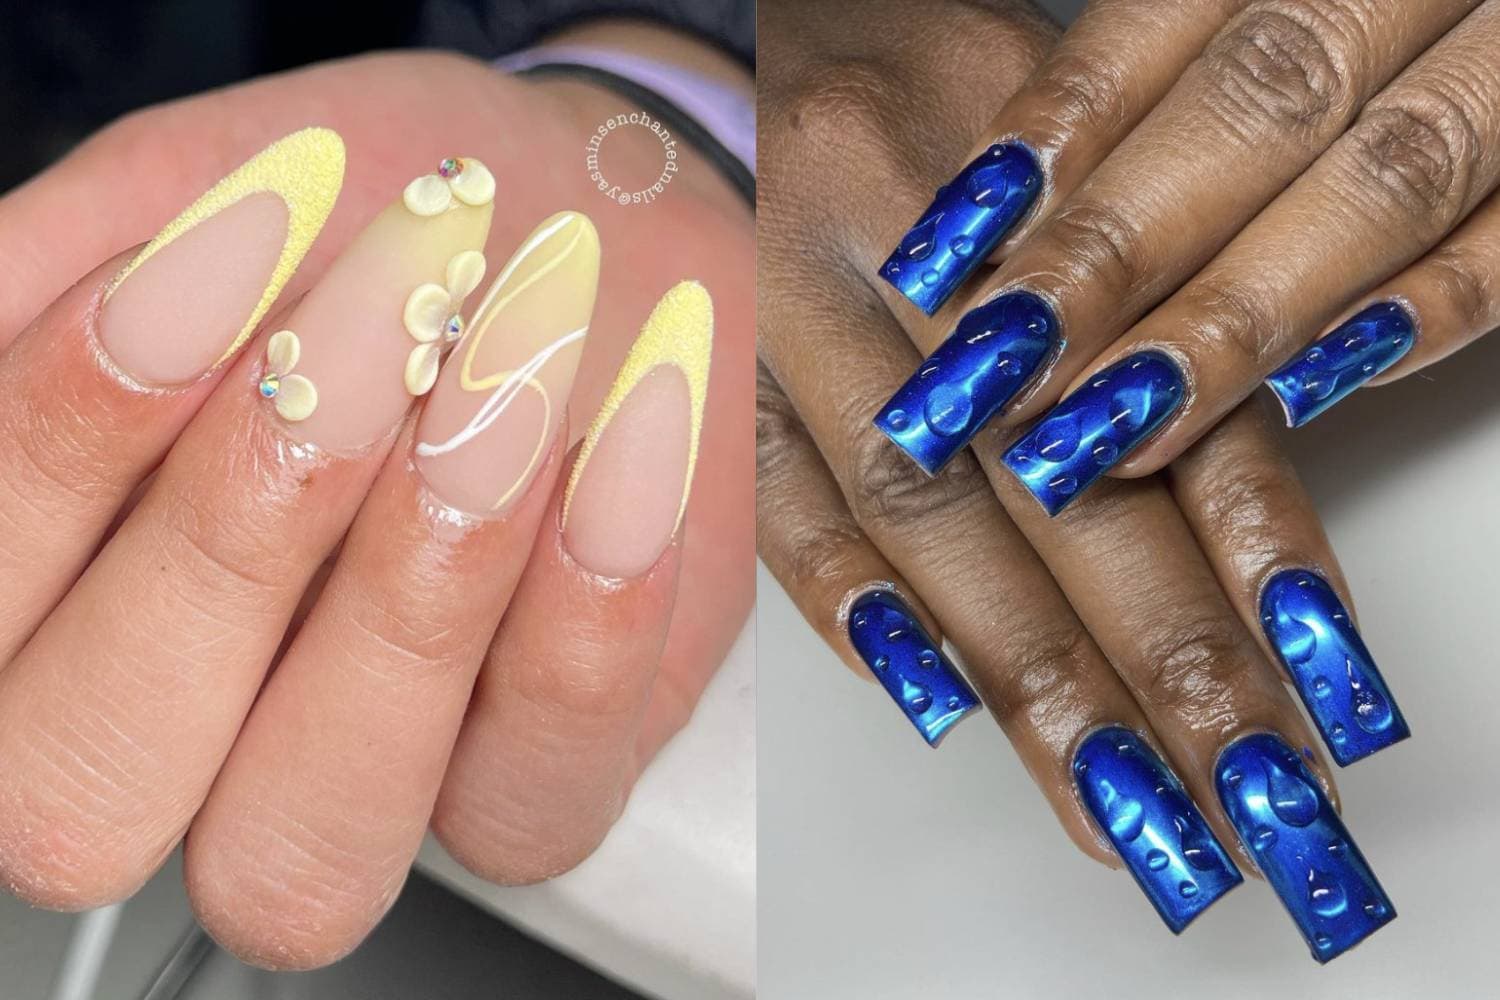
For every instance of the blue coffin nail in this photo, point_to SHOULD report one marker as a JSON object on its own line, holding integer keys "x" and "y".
{"x": 1300, "y": 845}
{"x": 1154, "y": 827}
{"x": 1341, "y": 362}
{"x": 1310, "y": 630}
{"x": 989, "y": 357}
{"x": 965, "y": 222}
{"x": 1087, "y": 433}
{"x": 908, "y": 664}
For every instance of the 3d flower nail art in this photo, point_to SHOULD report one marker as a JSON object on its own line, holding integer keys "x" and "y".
{"x": 468, "y": 180}
{"x": 432, "y": 318}
{"x": 295, "y": 396}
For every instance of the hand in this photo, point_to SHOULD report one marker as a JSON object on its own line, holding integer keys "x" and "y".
{"x": 1296, "y": 193}
{"x": 138, "y": 630}
{"x": 1140, "y": 613}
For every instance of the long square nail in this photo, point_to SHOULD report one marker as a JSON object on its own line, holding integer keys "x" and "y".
{"x": 1300, "y": 845}
{"x": 988, "y": 358}
{"x": 1085, "y": 435}
{"x": 967, "y": 219}
{"x": 909, "y": 664}
{"x": 1155, "y": 828}
{"x": 1310, "y": 630}
{"x": 1341, "y": 362}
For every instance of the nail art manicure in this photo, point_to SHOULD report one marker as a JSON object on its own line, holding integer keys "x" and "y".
{"x": 1344, "y": 360}
{"x": 368, "y": 336}
{"x": 1154, "y": 827}
{"x": 908, "y": 664}
{"x": 965, "y": 222}
{"x": 1086, "y": 434}
{"x": 1300, "y": 845}
{"x": 628, "y": 490}
{"x": 194, "y": 295}
{"x": 992, "y": 354}
{"x": 1334, "y": 673}
{"x": 500, "y": 399}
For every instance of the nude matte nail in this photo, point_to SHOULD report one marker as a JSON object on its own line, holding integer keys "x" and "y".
{"x": 500, "y": 398}
{"x": 629, "y": 487}
{"x": 367, "y": 338}
{"x": 195, "y": 294}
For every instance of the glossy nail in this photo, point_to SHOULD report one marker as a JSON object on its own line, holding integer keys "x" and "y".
{"x": 967, "y": 219}
{"x": 1300, "y": 845}
{"x": 1085, "y": 435}
{"x": 500, "y": 399}
{"x": 909, "y": 664}
{"x": 1341, "y": 362}
{"x": 1155, "y": 828}
{"x": 992, "y": 354}
{"x": 367, "y": 337}
{"x": 1310, "y": 630}
{"x": 629, "y": 487}
{"x": 194, "y": 295}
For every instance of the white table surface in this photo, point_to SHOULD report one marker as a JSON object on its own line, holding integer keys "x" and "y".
{"x": 889, "y": 870}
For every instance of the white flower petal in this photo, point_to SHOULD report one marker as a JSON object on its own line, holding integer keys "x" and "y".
{"x": 282, "y": 352}
{"x": 475, "y": 185}
{"x": 427, "y": 310}
{"x": 421, "y": 368}
{"x": 465, "y": 272}
{"x": 427, "y": 195}
{"x": 296, "y": 399}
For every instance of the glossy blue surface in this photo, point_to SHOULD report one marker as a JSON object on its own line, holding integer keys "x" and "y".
{"x": 1372, "y": 341}
{"x": 1300, "y": 845}
{"x": 1086, "y": 434}
{"x": 1154, "y": 827}
{"x": 908, "y": 664}
{"x": 967, "y": 219}
{"x": 1310, "y": 630}
{"x": 990, "y": 356}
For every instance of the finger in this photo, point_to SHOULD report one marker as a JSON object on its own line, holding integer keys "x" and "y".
{"x": 1423, "y": 154}
{"x": 97, "y": 388}
{"x": 1258, "y": 528}
{"x": 122, "y": 706}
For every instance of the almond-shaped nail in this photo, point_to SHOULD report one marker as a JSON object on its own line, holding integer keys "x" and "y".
{"x": 629, "y": 487}
{"x": 195, "y": 294}
{"x": 368, "y": 337}
{"x": 500, "y": 397}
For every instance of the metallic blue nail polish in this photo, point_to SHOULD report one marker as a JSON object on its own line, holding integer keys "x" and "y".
{"x": 1154, "y": 827}
{"x": 1086, "y": 434}
{"x": 1310, "y": 630}
{"x": 967, "y": 219}
{"x": 1372, "y": 341}
{"x": 1300, "y": 845}
{"x": 988, "y": 359}
{"x": 908, "y": 664}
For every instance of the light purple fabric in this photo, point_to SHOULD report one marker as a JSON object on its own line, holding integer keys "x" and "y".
{"x": 728, "y": 115}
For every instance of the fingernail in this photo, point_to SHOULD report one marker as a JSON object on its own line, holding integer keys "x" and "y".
{"x": 629, "y": 487}
{"x": 1315, "y": 640}
{"x": 194, "y": 295}
{"x": 1300, "y": 845}
{"x": 500, "y": 398}
{"x": 989, "y": 357}
{"x": 1086, "y": 434}
{"x": 909, "y": 664}
{"x": 367, "y": 338}
{"x": 1341, "y": 362}
{"x": 967, "y": 219}
{"x": 1154, "y": 827}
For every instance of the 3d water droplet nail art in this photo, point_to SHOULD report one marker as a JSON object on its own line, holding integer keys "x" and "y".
{"x": 990, "y": 356}
{"x": 1087, "y": 433}
{"x": 1154, "y": 827}
{"x": 1311, "y": 632}
{"x": 967, "y": 219}
{"x": 1333, "y": 367}
{"x": 907, "y": 662}
{"x": 1300, "y": 845}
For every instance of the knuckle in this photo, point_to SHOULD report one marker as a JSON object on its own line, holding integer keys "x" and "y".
{"x": 836, "y": 110}
{"x": 1244, "y": 509}
{"x": 499, "y": 847}
{"x": 1042, "y": 671}
{"x": 1099, "y": 247}
{"x": 1466, "y": 285}
{"x": 1193, "y": 662}
{"x": 1280, "y": 67}
{"x": 1084, "y": 94}
{"x": 212, "y": 547}
{"x": 1415, "y": 157}
{"x": 886, "y": 488}
{"x": 1229, "y": 316}
{"x": 778, "y": 429}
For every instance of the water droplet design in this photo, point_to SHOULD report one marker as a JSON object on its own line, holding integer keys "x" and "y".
{"x": 1323, "y": 942}
{"x": 861, "y": 619}
{"x": 1130, "y": 408}
{"x": 1321, "y": 687}
{"x": 1326, "y": 895}
{"x": 961, "y": 246}
{"x": 918, "y": 244}
{"x": 1367, "y": 368}
{"x": 1264, "y": 838}
{"x": 1315, "y": 356}
{"x": 948, "y": 409}
{"x": 1336, "y": 848}
{"x": 1157, "y": 860}
{"x": 927, "y": 659}
{"x": 1006, "y": 364}
{"x": 1356, "y": 342}
{"x": 1063, "y": 485}
{"x": 917, "y": 698}
{"x": 1197, "y": 845}
{"x": 1233, "y": 776}
{"x": 881, "y": 662}
{"x": 1122, "y": 814}
{"x": 1318, "y": 387}
{"x": 931, "y": 278}
{"x": 1188, "y": 889}
{"x": 1372, "y": 711}
{"x": 1105, "y": 453}
{"x": 1375, "y": 909}
{"x": 989, "y": 185}
{"x": 1296, "y": 640}
{"x": 1291, "y": 799}
{"x": 1338, "y": 734}
{"x": 1058, "y": 438}
{"x": 897, "y": 420}
{"x": 954, "y": 703}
